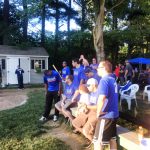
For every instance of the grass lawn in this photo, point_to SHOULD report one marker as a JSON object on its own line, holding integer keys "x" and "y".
{"x": 21, "y": 130}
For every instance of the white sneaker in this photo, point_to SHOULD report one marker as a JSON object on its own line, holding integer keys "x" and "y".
{"x": 55, "y": 118}
{"x": 43, "y": 118}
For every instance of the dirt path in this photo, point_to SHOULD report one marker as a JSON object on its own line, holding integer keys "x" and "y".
{"x": 62, "y": 132}
{"x": 10, "y": 98}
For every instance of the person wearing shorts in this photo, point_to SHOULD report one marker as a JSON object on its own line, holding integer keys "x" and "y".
{"x": 107, "y": 108}
{"x": 86, "y": 122}
{"x": 68, "y": 94}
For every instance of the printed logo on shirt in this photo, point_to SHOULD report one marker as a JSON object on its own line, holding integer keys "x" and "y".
{"x": 93, "y": 100}
{"x": 69, "y": 91}
{"x": 64, "y": 72}
{"x": 75, "y": 73}
{"x": 51, "y": 79}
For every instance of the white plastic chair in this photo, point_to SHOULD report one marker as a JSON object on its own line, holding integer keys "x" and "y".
{"x": 129, "y": 94}
{"x": 146, "y": 92}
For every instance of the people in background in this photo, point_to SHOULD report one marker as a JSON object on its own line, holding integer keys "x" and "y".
{"x": 77, "y": 72}
{"x": 19, "y": 72}
{"x": 94, "y": 64}
{"x": 107, "y": 108}
{"x": 117, "y": 71}
{"x": 65, "y": 70}
{"x": 129, "y": 72}
{"x": 121, "y": 75}
{"x": 52, "y": 82}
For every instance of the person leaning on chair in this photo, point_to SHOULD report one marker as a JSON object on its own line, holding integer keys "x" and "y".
{"x": 19, "y": 72}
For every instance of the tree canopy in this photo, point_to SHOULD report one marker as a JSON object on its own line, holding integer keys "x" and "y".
{"x": 115, "y": 25}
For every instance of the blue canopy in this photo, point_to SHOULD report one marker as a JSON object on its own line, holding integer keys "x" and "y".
{"x": 140, "y": 60}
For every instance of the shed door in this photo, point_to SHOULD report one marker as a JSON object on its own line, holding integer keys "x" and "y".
{"x": 25, "y": 65}
{"x": 12, "y": 63}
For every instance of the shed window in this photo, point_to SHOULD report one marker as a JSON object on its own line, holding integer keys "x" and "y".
{"x": 3, "y": 64}
{"x": 38, "y": 62}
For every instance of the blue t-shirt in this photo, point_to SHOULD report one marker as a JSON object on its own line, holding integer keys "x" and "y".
{"x": 94, "y": 67}
{"x": 69, "y": 91}
{"x": 19, "y": 72}
{"x": 77, "y": 76}
{"x": 94, "y": 97}
{"x": 52, "y": 81}
{"x": 65, "y": 72}
{"x": 108, "y": 87}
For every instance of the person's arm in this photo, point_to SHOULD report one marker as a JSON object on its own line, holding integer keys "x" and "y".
{"x": 126, "y": 72}
{"x": 60, "y": 88}
{"x": 100, "y": 104}
{"x": 75, "y": 96}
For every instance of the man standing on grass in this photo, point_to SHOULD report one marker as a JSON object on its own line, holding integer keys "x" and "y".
{"x": 19, "y": 72}
{"x": 53, "y": 85}
{"x": 107, "y": 108}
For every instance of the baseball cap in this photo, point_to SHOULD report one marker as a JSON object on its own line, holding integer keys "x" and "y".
{"x": 88, "y": 69}
{"x": 92, "y": 81}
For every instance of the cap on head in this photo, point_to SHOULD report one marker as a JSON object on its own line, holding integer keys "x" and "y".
{"x": 88, "y": 69}
{"x": 92, "y": 81}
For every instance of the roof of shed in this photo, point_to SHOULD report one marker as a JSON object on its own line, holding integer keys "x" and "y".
{"x": 31, "y": 51}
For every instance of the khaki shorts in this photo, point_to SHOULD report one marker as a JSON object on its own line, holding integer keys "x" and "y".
{"x": 68, "y": 102}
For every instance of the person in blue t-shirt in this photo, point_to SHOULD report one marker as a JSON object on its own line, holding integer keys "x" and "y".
{"x": 90, "y": 73}
{"x": 67, "y": 95}
{"x": 19, "y": 72}
{"x": 77, "y": 72}
{"x": 107, "y": 108}
{"x": 94, "y": 64}
{"x": 65, "y": 70}
{"x": 52, "y": 82}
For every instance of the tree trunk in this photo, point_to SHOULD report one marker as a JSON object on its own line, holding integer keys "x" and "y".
{"x": 68, "y": 26}
{"x": 6, "y": 21}
{"x": 98, "y": 33}
{"x": 25, "y": 20}
{"x": 43, "y": 25}
{"x": 83, "y": 15}
{"x": 56, "y": 30}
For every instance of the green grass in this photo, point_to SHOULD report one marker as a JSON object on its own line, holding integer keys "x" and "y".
{"x": 21, "y": 130}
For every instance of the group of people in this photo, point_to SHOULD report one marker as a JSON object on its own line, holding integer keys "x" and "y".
{"x": 93, "y": 90}
{"x": 125, "y": 72}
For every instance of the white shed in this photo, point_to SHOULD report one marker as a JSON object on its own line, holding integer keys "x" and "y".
{"x": 33, "y": 61}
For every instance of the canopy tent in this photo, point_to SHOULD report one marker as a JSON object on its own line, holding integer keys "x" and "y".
{"x": 140, "y": 60}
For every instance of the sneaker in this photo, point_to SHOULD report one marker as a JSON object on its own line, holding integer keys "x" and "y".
{"x": 55, "y": 118}
{"x": 43, "y": 118}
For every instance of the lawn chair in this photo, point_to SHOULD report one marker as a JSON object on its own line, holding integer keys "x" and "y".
{"x": 129, "y": 94}
{"x": 146, "y": 92}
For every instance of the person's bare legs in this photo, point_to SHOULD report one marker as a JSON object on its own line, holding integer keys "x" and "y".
{"x": 67, "y": 113}
{"x": 113, "y": 144}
